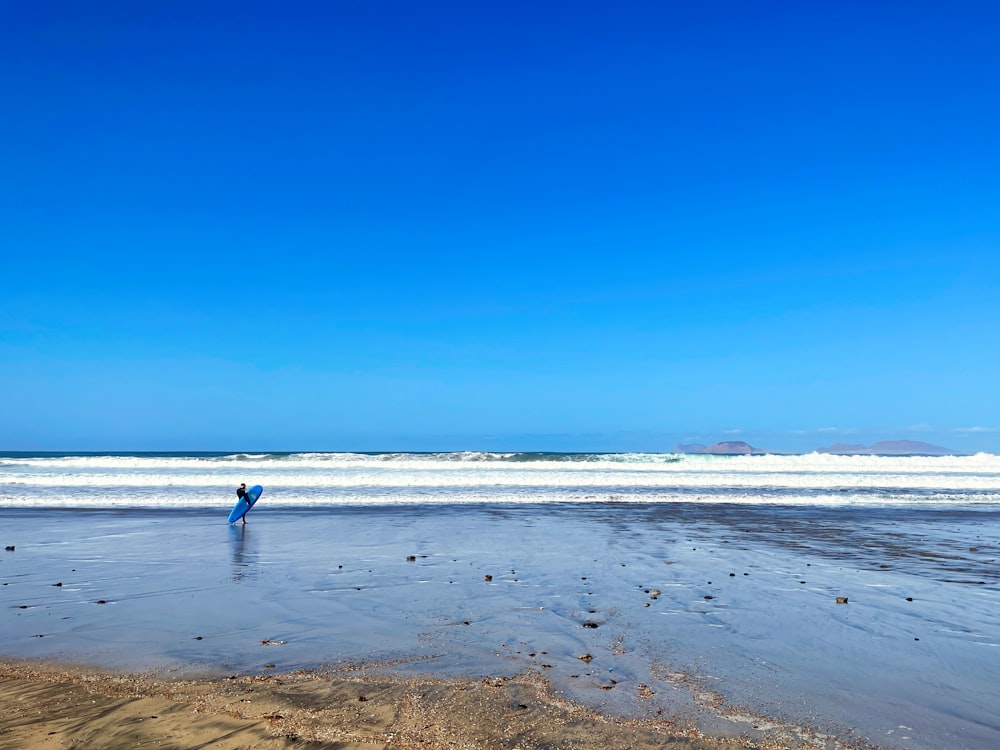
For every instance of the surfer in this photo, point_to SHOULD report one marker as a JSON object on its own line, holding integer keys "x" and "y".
{"x": 241, "y": 493}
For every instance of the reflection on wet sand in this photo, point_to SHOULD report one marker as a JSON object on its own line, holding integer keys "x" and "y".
{"x": 244, "y": 553}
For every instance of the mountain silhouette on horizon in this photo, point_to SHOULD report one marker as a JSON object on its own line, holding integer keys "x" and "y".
{"x": 888, "y": 448}
{"x": 881, "y": 448}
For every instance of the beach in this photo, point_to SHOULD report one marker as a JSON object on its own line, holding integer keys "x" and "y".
{"x": 499, "y": 376}
{"x": 528, "y": 625}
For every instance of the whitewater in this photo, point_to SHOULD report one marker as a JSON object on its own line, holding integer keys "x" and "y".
{"x": 306, "y": 480}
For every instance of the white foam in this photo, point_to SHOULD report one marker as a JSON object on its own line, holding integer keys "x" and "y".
{"x": 337, "y": 478}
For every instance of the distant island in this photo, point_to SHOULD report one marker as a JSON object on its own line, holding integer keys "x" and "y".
{"x": 881, "y": 448}
{"x": 888, "y": 448}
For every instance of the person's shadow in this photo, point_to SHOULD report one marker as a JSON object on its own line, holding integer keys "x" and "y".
{"x": 243, "y": 553}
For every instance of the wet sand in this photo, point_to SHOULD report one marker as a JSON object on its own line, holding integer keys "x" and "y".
{"x": 482, "y": 626}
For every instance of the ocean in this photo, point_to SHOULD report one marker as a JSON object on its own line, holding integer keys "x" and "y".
{"x": 309, "y": 480}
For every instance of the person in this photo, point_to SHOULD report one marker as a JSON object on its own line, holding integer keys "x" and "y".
{"x": 241, "y": 493}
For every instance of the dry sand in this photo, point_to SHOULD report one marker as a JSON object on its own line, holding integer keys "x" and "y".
{"x": 45, "y": 706}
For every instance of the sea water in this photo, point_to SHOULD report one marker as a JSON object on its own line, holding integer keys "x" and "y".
{"x": 302, "y": 480}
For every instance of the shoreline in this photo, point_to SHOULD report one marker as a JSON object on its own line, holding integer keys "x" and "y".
{"x": 708, "y": 617}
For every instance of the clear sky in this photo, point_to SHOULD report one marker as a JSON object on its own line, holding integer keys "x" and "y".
{"x": 389, "y": 225}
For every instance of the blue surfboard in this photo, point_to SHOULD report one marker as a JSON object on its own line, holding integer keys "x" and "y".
{"x": 245, "y": 503}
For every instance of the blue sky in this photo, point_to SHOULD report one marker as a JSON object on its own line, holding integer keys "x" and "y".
{"x": 366, "y": 225}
